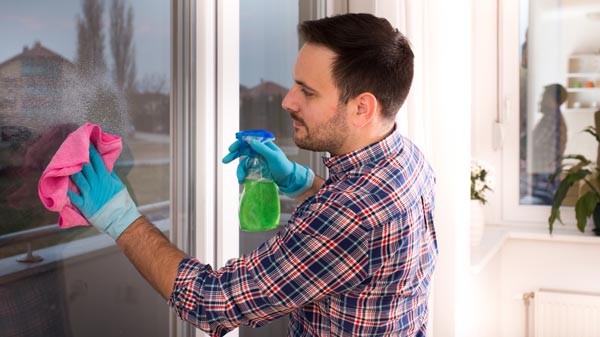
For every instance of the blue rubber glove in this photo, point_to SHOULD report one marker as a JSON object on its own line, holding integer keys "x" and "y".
{"x": 292, "y": 178}
{"x": 104, "y": 200}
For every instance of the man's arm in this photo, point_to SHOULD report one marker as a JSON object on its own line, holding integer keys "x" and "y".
{"x": 152, "y": 254}
{"x": 156, "y": 258}
{"x": 105, "y": 202}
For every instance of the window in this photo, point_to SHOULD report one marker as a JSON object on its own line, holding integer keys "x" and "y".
{"x": 552, "y": 57}
{"x": 61, "y": 64}
{"x": 268, "y": 47}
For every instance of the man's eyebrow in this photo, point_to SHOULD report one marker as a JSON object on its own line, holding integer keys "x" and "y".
{"x": 304, "y": 85}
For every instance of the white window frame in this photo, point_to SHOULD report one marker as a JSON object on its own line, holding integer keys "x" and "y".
{"x": 192, "y": 168}
{"x": 512, "y": 213}
{"x": 228, "y": 87}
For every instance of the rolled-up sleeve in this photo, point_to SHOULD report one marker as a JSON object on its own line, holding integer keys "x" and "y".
{"x": 219, "y": 301}
{"x": 317, "y": 254}
{"x": 187, "y": 298}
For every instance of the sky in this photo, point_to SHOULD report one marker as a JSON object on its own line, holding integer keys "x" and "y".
{"x": 53, "y": 23}
{"x": 268, "y": 38}
{"x": 268, "y": 41}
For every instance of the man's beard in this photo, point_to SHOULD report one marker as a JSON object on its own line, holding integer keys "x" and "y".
{"x": 326, "y": 137}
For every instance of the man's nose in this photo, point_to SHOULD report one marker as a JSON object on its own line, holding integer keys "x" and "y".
{"x": 289, "y": 102}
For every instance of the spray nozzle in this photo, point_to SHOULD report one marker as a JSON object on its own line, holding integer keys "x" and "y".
{"x": 247, "y": 135}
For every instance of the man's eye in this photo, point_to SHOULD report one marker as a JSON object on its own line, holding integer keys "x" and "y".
{"x": 306, "y": 92}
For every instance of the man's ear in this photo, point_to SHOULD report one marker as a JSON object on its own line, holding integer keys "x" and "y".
{"x": 367, "y": 108}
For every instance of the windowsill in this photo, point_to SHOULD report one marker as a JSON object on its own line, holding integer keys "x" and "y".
{"x": 495, "y": 236}
{"x": 11, "y": 269}
{"x": 72, "y": 251}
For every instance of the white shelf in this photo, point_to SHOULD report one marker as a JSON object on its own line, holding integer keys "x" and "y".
{"x": 583, "y": 56}
{"x": 492, "y": 241}
{"x": 582, "y": 69}
{"x": 576, "y": 110}
{"x": 583, "y": 89}
{"x": 576, "y": 75}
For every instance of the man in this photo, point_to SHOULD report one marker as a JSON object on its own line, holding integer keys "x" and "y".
{"x": 549, "y": 140}
{"x": 357, "y": 255}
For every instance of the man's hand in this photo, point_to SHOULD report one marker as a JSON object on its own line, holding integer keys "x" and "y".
{"x": 104, "y": 200}
{"x": 292, "y": 178}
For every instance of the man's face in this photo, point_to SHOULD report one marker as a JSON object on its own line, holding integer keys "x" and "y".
{"x": 320, "y": 123}
{"x": 548, "y": 103}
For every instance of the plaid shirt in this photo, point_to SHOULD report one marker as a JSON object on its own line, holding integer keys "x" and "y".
{"x": 355, "y": 259}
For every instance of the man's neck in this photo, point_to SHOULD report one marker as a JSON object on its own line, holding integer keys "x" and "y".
{"x": 365, "y": 137}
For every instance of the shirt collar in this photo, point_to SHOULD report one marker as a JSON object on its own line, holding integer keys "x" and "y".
{"x": 367, "y": 155}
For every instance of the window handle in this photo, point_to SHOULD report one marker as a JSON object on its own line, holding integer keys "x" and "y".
{"x": 498, "y": 127}
{"x": 30, "y": 257}
{"x": 497, "y": 135}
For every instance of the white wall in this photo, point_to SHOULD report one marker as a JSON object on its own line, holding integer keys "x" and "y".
{"x": 486, "y": 300}
{"x": 525, "y": 264}
{"x": 528, "y": 265}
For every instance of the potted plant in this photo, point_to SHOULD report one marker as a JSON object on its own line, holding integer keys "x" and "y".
{"x": 585, "y": 173}
{"x": 482, "y": 181}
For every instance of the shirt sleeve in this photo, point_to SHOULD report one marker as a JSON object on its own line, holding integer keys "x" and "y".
{"x": 323, "y": 250}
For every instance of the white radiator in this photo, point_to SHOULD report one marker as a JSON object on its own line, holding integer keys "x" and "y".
{"x": 559, "y": 313}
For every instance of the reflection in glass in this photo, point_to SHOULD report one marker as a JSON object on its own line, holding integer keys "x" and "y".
{"x": 62, "y": 64}
{"x": 549, "y": 139}
{"x": 268, "y": 48}
{"x": 559, "y": 68}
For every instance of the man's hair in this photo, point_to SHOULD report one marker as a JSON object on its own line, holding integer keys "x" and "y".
{"x": 371, "y": 56}
{"x": 557, "y": 92}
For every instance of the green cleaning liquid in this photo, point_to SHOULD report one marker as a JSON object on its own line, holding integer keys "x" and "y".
{"x": 259, "y": 207}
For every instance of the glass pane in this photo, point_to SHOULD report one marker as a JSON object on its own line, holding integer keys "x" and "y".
{"x": 560, "y": 92}
{"x": 268, "y": 48}
{"x": 63, "y": 63}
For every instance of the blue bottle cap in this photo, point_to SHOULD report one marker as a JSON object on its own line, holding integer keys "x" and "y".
{"x": 260, "y": 135}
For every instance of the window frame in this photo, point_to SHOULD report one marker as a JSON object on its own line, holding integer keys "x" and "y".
{"x": 188, "y": 231}
{"x": 507, "y": 135}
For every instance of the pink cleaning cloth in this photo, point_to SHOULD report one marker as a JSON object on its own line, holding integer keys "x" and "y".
{"x": 70, "y": 157}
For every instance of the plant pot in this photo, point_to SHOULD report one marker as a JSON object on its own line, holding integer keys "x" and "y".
{"x": 478, "y": 222}
{"x": 596, "y": 218}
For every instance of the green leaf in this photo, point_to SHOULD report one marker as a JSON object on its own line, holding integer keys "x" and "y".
{"x": 561, "y": 192}
{"x": 592, "y": 131}
{"x": 584, "y": 209}
{"x": 575, "y": 156}
{"x": 554, "y": 215}
{"x": 592, "y": 187}
{"x": 570, "y": 168}
{"x": 583, "y": 161}
{"x": 586, "y": 204}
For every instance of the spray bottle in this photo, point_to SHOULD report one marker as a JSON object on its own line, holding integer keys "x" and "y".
{"x": 259, "y": 205}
